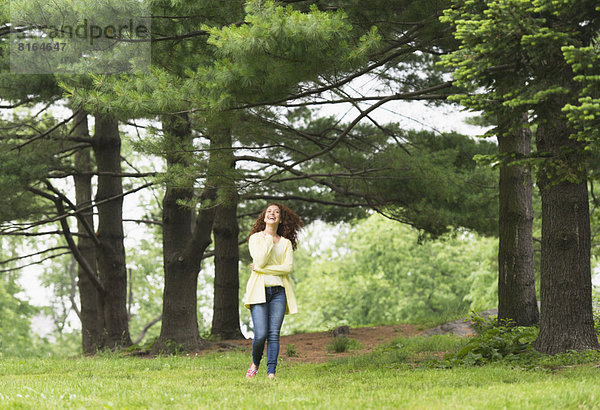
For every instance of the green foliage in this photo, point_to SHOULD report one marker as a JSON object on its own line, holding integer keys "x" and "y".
{"x": 42, "y": 158}
{"x": 417, "y": 177}
{"x": 495, "y": 342}
{"x": 80, "y": 53}
{"x": 515, "y": 33}
{"x": 341, "y": 344}
{"x": 426, "y": 180}
{"x": 291, "y": 350}
{"x": 376, "y": 271}
{"x": 584, "y": 115}
{"x": 596, "y": 310}
{"x": 60, "y": 277}
{"x": 16, "y": 337}
{"x": 146, "y": 282}
{"x": 229, "y": 63}
{"x": 277, "y": 49}
{"x": 437, "y": 185}
{"x": 159, "y": 90}
{"x": 516, "y": 57}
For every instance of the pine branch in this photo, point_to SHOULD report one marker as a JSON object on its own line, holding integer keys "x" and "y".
{"x": 301, "y": 175}
{"x": 42, "y": 135}
{"x": 336, "y": 142}
{"x": 110, "y": 174}
{"x": 191, "y": 34}
{"x": 15, "y": 105}
{"x": 374, "y": 122}
{"x": 6, "y": 30}
{"x": 285, "y": 127}
{"x": 17, "y": 258}
{"x": 408, "y": 97}
{"x": 211, "y": 253}
{"x": 144, "y": 221}
{"x": 89, "y": 271}
{"x": 337, "y": 84}
{"x": 350, "y": 175}
{"x": 71, "y": 150}
{"x": 86, "y": 208}
{"x": 35, "y": 263}
{"x": 303, "y": 199}
{"x": 33, "y": 234}
{"x": 47, "y": 106}
{"x": 78, "y": 215}
{"x": 142, "y": 175}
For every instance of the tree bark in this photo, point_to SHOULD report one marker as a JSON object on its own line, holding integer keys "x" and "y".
{"x": 110, "y": 251}
{"x": 226, "y": 315}
{"x": 183, "y": 249}
{"x": 566, "y": 321}
{"x": 92, "y": 320}
{"x": 516, "y": 280}
{"x": 179, "y": 317}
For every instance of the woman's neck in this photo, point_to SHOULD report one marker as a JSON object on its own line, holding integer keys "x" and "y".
{"x": 271, "y": 230}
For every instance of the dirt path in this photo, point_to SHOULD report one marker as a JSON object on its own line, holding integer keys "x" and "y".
{"x": 312, "y": 347}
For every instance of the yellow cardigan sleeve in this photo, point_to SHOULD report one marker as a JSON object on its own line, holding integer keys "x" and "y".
{"x": 285, "y": 268}
{"x": 260, "y": 247}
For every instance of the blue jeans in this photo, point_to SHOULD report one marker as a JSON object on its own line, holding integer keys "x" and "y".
{"x": 267, "y": 319}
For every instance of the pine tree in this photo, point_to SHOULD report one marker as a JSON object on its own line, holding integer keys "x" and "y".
{"x": 98, "y": 281}
{"x": 513, "y": 51}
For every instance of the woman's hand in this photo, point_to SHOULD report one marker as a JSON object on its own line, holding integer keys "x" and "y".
{"x": 252, "y": 266}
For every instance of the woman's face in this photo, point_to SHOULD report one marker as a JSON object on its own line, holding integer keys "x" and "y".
{"x": 273, "y": 215}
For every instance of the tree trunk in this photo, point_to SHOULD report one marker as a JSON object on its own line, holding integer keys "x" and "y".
{"x": 516, "y": 281}
{"x": 110, "y": 251}
{"x": 92, "y": 320}
{"x": 566, "y": 321}
{"x": 179, "y": 318}
{"x": 226, "y": 315}
{"x": 183, "y": 250}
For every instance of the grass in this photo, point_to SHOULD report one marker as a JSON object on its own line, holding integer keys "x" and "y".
{"x": 387, "y": 378}
{"x": 341, "y": 344}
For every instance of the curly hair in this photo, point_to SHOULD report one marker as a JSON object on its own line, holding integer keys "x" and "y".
{"x": 288, "y": 228}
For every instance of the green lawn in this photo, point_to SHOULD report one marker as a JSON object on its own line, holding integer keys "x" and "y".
{"x": 387, "y": 379}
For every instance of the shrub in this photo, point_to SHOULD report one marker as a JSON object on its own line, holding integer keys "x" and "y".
{"x": 496, "y": 341}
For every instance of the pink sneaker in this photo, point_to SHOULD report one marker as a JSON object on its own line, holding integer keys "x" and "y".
{"x": 252, "y": 370}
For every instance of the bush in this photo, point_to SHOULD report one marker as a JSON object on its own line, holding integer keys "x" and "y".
{"x": 496, "y": 341}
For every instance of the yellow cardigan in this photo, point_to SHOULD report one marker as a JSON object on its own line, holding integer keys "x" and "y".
{"x": 271, "y": 259}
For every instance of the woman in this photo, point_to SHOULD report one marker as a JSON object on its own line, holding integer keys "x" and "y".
{"x": 269, "y": 293}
